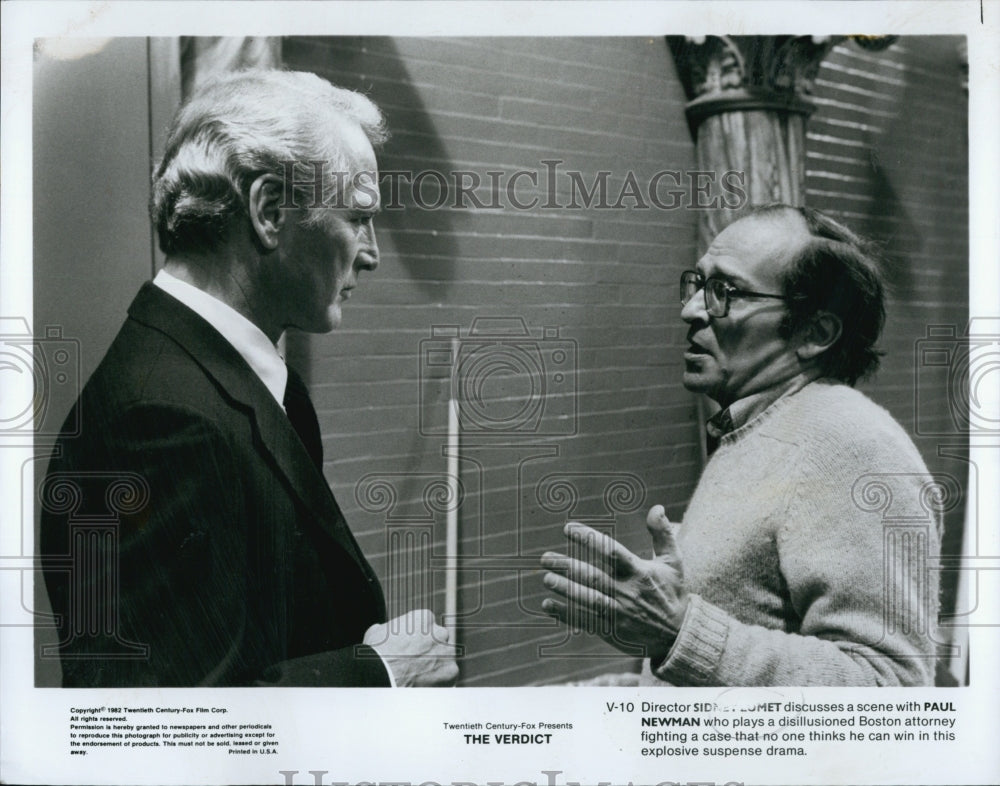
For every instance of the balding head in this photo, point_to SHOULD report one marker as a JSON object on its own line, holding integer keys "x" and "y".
{"x": 780, "y": 293}
{"x": 829, "y": 269}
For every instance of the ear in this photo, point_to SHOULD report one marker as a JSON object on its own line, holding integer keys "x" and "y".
{"x": 264, "y": 206}
{"x": 818, "y": 335}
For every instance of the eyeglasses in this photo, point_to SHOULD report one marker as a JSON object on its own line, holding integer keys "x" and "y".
{"x": 717, "y": 292}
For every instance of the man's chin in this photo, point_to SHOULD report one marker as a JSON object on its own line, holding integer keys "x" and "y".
{"x": 321, "y": 323}
{"x": 696, "y": 383}
{"x": 703, "y": 384}
{"x": 334, "y": 316}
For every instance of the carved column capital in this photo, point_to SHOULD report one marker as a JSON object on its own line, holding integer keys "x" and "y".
{"x": 733, "y": 73}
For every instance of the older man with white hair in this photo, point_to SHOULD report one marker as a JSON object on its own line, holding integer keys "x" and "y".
{"x": 240, "y": 569}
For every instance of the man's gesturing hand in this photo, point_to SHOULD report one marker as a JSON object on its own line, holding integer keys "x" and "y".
{"x": 644, "y": 599}
{"x": 415, "y": 650}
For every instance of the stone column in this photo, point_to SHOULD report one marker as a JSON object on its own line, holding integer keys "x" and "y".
{"x": 748, "y": 103}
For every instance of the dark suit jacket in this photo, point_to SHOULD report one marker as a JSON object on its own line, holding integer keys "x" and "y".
{"x": 239, "y": 569}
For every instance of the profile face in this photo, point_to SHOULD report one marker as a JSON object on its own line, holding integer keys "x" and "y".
{"x": 322, "y": 261}
{"x": 731, "y": 357}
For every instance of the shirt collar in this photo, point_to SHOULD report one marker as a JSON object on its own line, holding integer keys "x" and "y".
{"x": 741, "y": 412}
{"x": 247, "y": 339}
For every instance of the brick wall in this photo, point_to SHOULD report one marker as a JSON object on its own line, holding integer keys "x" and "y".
{"x": 619, "y": 427}
{"x": 887, "y": 153}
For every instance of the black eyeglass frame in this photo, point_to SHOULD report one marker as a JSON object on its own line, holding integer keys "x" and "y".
{"x": 694, "y": 277}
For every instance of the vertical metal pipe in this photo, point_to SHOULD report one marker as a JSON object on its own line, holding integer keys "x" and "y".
{"x": 451, "y": 532}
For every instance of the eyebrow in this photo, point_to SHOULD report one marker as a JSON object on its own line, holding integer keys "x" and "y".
{"x": 731, "y": 278}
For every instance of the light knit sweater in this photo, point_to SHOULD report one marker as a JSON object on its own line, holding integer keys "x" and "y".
{"x": 804, "y": 550}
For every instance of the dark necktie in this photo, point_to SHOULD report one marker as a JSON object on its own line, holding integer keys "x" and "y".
{"x": 720, "y": 424}
{"x": 302, "y": 415}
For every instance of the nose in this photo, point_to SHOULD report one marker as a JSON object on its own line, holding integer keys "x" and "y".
{"x": 694, "y": 310}
{"x": 368, "y": 256}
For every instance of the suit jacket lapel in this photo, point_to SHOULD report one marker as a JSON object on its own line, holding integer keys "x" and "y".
{"x": 240, "y": 384}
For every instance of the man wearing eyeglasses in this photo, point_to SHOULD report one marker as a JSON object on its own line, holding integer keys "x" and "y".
{"x": 783, "y": 571}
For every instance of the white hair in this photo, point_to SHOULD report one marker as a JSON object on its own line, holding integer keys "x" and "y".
{"x": 236, "y": 128}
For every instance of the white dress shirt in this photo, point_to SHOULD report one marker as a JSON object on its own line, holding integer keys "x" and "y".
{"x": 247, "y": 339}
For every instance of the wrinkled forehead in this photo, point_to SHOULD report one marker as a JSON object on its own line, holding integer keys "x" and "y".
{"x": 356, "y": 171}
{"x": 756, "y": 251}
{"x": 354, "y": 145}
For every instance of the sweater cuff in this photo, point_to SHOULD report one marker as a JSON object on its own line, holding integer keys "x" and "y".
{"x": 697, "y": 650}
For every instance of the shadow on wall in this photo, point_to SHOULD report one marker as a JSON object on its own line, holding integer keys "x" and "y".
{"x": 906, "y": 238}
{"x": 374, "y": 67}
{"x": 420, "y": 240}
{"x": 906, "y": 165}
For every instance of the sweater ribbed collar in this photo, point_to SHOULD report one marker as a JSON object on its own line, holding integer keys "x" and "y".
{"x": 741, "y": 412}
